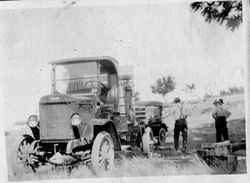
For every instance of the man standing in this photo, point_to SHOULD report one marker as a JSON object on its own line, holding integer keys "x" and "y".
{"x": 220, "y": 115}
{"x": 180, "y": 115}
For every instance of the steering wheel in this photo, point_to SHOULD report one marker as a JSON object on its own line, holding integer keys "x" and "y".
{"x": 103, "y": 87}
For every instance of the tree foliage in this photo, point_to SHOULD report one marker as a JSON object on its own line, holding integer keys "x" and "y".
{"x": 190, "y": 88}
{"x": 232, "y": 90}
{"x": 229, "y": 12}
{"x": 163, "y": 86}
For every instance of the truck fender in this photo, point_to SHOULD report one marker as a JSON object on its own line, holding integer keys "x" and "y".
{"x": 28, "y": 136}
{"x": 27, "y": 132}
{"x": 97, "y": 125}
{"x": 163, "y": 125}
{"x": 35, "y": 132}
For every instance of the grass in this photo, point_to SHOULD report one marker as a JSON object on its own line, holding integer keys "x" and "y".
{"x": 129, "y": 166}
{"x": 132, "y": 167}
{"x": 137, "y": 164}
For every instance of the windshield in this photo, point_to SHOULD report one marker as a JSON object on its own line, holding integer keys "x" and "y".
{"x": 76, "y": 78}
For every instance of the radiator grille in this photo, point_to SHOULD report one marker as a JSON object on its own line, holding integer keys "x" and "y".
{"x": 55, "y": 122}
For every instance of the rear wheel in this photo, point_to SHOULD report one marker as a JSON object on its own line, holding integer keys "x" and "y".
{"x": 162, "y": 136}
{"x": 102, "y": 156}
{"x": 148, "y": 142}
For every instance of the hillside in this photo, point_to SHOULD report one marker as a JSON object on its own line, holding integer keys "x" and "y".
{"x": 201, "y": 111}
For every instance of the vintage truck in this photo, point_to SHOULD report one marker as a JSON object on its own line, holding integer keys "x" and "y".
{"x": 151, "y": 113}
{"x": 85, "y": 118}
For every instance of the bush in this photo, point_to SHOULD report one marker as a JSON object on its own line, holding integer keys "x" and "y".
{"x": 232, "y": 90}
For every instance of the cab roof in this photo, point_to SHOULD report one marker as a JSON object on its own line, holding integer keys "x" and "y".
{"x": 84, "y": 59}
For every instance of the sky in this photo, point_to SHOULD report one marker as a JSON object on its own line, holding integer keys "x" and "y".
{"x": 157, "y": 39}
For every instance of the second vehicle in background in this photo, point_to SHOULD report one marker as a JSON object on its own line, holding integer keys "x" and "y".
{"x": 150, "y": 112}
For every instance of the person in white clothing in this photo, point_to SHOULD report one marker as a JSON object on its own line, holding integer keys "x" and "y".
{"x": 220, "y": 115}
{"x": 180, "y": 114}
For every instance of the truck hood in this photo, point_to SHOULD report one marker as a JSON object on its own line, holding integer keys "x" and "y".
{"x": 64, "y": 98}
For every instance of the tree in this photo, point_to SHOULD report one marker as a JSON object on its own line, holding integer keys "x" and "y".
{"x": 163, "y": 86}
{"x": 229, "y": 12}
{"x": 190, "y": 88}
{"x": 232, "y": 90}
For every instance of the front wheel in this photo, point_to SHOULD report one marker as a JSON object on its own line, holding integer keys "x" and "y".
{"x": 162, "y": 136}
{"x": 102, "y": 156}
{"x": 25, "y": 154}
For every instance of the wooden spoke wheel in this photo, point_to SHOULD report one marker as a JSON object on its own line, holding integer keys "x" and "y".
{"x": 25, "y": 154}
{"x": 162, "y": 136}
{"x": 102, "y": 156}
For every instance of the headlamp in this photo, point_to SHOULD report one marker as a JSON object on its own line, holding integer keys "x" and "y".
{"x": 33, "y": 121}
{"x": 76, "y": 120}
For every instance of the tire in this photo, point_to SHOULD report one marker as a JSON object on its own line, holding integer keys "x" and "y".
{"x": 162, "y": 136}
{"x": 148, "y": 142}
{"x": 102, "y": 156}
{"x": 25, "y": 151}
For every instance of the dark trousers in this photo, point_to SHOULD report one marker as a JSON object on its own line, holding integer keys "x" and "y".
{"x": 180, "y": 126}
{"x": 221, "y": 129}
